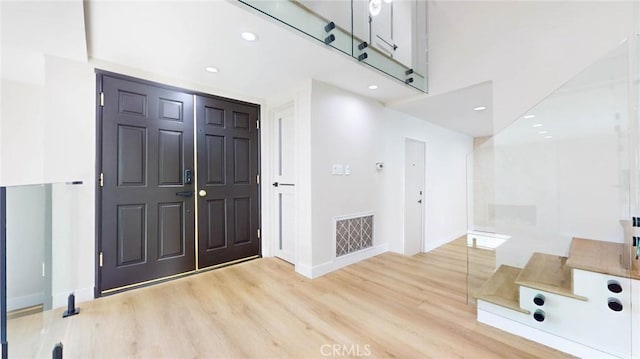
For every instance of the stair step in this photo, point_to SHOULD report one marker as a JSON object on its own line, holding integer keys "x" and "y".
{"x": 501, "y": 289}
{"x": 600, "y": 257}
{"x": 549, "y": 273}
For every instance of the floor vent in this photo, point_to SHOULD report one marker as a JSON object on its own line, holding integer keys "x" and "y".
{"x": 353, "y": 234}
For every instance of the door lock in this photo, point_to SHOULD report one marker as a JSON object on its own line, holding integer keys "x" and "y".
{"x": 188, "y": 177}
{"x": 202, "y": 193}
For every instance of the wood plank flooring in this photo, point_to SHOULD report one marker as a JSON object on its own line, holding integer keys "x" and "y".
{"x": 388, "y": 306}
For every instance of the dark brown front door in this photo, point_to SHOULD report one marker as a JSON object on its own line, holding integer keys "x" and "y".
{"x": 147, "y": 196}
{"x": 227, "y": 180}
{"x": 147, "y": 206}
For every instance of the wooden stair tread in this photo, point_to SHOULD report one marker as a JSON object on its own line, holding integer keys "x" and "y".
{"x": 599, "y": 256}
{"x": 501, "y": 289}
{"x": 549, "y": 273}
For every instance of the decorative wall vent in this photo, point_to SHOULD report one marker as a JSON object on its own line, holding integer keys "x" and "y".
{"x": 353, "y": 234}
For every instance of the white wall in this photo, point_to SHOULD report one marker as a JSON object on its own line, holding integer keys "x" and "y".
{"x": 526, "y": 48}
{"x": 446, "y": 177}
{"x": 351, "y": 130}
{"x": 23, "y": 133}
{"x": 25, "y": 245}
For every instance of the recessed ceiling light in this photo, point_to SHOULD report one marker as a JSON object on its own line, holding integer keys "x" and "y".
{"x": 479, "y": 108}
{"x": 537, "y": 125}
{"x": 388, "y": 1}
{"x": 373, "y": 87}
{"x": 249, "y": 36}
{"x": 543, "y": 132}
{"x": 211, "y": 69}
{"x": 529, "y": 116}
{"x": 548, "y": 137}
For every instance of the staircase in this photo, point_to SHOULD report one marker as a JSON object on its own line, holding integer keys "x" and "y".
{"x": 579, "y": 304}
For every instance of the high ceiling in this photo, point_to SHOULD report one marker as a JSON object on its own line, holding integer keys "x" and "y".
{"x": 180, "y": 39}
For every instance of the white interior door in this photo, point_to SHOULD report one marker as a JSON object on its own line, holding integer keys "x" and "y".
{"x": 414, "y": 169}
{"x": 284, "y": 189}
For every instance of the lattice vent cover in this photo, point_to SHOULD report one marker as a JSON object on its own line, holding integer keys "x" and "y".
{"x": 353, "y": 234}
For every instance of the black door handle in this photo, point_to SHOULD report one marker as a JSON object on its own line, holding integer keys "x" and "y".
{"x": 276, "y": 184}
{"x": 184, "y": 193}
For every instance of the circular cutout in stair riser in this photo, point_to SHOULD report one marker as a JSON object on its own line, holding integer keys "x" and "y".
{"x": 614, "y": 304}
{"x": 539, "y": 316}
{"x": 539, "y": 300}
{"x": 614, "y": 286}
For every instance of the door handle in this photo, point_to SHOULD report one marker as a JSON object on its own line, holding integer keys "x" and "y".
{"x": 202, "y": 193}
{"x": 185, "y": 194}
{"x": 419, "y": 201}
{"x": 276, "y": 184}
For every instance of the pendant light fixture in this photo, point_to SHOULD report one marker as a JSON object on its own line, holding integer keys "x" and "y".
{"x": 374, "y": 7}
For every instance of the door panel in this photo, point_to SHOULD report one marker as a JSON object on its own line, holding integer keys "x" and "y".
{"x": 284, "y": 193}
{"x": 414, "y": 175}
{"x": 227, "y": 172}
{"x": 147, "y": 144}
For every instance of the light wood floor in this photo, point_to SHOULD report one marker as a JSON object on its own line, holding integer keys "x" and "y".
{"x": 388, "y": 306}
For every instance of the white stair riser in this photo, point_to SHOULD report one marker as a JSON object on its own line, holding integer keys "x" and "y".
{"x": 590, "y": 322}
{"x": 506, "y": 319}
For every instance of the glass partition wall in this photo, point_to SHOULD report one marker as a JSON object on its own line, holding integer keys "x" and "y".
{"x": 39, "y": 220}
{"x": 388, "y": 35}
{"x": 551, "y": 240}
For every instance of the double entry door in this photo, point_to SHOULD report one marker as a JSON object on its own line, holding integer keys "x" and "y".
{"x": 178, "y": 181}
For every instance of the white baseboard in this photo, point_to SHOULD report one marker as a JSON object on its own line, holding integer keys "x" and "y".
{"x": 81, "y": 294}
{"x": 340, "y": 262}
{"x": 428, "y": 246}
{"x": 540, "y": 336}
{"x": 24, "y": 301}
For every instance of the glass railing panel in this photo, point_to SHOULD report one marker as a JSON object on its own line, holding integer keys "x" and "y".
{"x": 391, "y": 37}
{"x": 40, "y": 220}
{"x": 393, "y": 41}
{"x": 482, "y": 241}
{"x": 326, "y": 21}
{"x": 561, "y": 202}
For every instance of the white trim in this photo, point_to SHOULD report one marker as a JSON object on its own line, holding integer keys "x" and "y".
{"x": 540, "y": 336}
{"x": 81, "y": 294}
{"x": 25, "y": 301}
{"x": 340, "y": 262}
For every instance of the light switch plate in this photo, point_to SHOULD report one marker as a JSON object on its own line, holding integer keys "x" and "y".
{"x": 337, "y": 170}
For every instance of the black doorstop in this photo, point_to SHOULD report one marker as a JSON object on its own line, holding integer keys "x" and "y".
{"x": 57, "y": 351}
{"x": 71, "y": 307}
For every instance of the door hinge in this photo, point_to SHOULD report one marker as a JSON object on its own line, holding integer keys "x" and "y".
{"x": 100, "y": 260}
{"x": 101, "y": 180}
{"x": 258, "y": 179}
{"x": 101, "y": 99}
{"x": 258, "y": 124}
{"x": 258, "y": 233}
